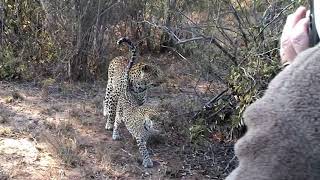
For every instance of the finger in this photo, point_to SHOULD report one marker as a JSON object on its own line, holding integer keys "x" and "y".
{"x": 299, "y": 37}
{"x": 308, "y": 14}
{"x": 287, "y": 52}
{"x": 292, "y": 19}
{"x": 298, "y": 15}
{"x": 286, "y": 49}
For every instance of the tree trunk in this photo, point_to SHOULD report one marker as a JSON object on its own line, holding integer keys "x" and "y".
{"x": 79, "y": 63}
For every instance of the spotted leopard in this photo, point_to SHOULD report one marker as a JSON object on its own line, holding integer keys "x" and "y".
{"x": 142, "y": 121}
{"x": 142, "y": 77}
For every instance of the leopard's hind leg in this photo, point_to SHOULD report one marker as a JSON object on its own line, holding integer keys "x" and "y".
{"x": 117, "y": 121}
{"x": 110, "y": 105}
{"x": 106, "y": 101}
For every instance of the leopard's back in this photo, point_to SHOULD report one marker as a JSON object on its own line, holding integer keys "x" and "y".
{"x": 115, "y": 71}
{"x": 141, "y": 121}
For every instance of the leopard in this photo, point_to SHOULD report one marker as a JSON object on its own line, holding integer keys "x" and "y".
{"x": 142, "y": 77}
{"x": 142, "y": 121}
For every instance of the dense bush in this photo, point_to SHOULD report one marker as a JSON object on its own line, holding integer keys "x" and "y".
{"x": 27, "y": 51}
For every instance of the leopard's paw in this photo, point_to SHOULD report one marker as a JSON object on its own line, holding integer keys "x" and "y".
{"x": 109, "y": 126}
{"x": 147, "y": 163}
{"x": 115, "y": 136}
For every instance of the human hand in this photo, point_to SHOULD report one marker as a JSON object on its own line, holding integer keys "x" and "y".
{"x": 295, "y": 35}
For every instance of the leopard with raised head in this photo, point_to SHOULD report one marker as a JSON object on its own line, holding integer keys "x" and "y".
{"x": 142, "y": 77}
{"x": 142, "y": 121}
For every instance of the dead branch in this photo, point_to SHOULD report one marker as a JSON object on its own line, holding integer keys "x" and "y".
{"x": 274, "y": 19}
{"x": 171, "y": 48}
{"x": 177, "y": 40}
{"x": 189, "y": 40}
{"x": 236, "y": 15}
{"x": 208, "y": 105}
{"x": 228, "y": 165}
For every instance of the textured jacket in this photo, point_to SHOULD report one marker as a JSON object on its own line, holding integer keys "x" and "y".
{"x": 283, "y": 137}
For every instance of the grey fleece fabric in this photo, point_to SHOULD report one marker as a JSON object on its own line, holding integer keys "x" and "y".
{"x": 283, "y": 137}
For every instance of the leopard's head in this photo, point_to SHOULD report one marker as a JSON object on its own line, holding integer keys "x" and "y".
{"x": 144, "y": 76}
{"x": 154, "y": 121}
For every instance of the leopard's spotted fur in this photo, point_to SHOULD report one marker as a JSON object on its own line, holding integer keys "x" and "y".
{"x": 142, "y": 77}
{"x": 141, "y": 120}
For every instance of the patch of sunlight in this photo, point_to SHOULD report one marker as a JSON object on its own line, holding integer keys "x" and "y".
{"x": 5, "y": 131}
{"x": 18, "y": 148}
{"x": 23, "y": 159}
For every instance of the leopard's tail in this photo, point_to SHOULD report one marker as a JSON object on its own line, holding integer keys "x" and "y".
{"x": 133, "y": 50}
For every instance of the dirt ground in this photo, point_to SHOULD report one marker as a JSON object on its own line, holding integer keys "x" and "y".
{"x": 58, "y": 133}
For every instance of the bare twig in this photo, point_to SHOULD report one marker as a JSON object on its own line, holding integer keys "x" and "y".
{"x": 218, "y": 111}
{"x": 212, "y": 39}
{"x": 228, "y": 165}
{"x": 208, "y": 105}
{"x": 248, "y": 75}
{"x": 108, "y": 8}
{"x": 127, "y": 152}
{"x": 189, "y": 40}
{"x": 236, "y": 15}
{"x": 171, "y": 48}
{"x": 275, "y": 18}
{"x": 177, "y": 40}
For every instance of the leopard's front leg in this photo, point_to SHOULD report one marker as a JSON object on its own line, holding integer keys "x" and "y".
{"x": 147, "y": 162}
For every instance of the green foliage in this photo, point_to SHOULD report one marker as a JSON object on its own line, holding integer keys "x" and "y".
{"x": 27, "y": 50}
{"x": 248, "y": 83}
{"x": 7, "y": 63}
{"x": 198, "y": 132}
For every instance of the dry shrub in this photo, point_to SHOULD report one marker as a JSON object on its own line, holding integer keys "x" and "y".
{"x": 65, "y": 148}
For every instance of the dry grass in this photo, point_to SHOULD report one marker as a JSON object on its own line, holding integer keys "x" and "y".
{"x": 65, "y": 149}
{"x": 5, "y": 131}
